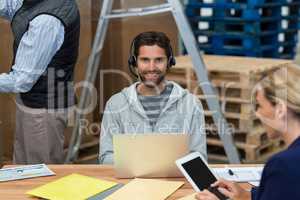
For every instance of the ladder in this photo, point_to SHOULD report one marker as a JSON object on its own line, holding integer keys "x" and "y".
{"x": 175, "y": 7}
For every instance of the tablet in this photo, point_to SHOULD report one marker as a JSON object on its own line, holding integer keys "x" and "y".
{"x": 197, "y": 172}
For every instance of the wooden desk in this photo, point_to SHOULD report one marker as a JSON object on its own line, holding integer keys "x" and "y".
{"x": 15, "y": 190}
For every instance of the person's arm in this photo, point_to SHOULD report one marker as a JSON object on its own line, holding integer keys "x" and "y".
{"x": 8, "y": 8}
{"x": 109, "y": 126}
{"x": 197, "y": 130}
{"x": 38, "y": 45}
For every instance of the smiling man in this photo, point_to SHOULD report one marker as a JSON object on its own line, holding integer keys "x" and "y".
{"x": 153, "y": 104}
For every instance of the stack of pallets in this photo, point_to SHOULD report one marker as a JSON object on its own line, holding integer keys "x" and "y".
{"x": 288, "y": 37}
{"x": 234, "y": 78}
{"x": 256, "y": 28}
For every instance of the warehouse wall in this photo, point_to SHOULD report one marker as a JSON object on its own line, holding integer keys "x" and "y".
{"x": 7, "y": 108}
{"x": 111, "y": 58}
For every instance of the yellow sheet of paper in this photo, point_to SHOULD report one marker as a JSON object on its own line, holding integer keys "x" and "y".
{"x": 146, "y": 189}
{"x": 189, "y": 197}
{"x": 72, "y": 187}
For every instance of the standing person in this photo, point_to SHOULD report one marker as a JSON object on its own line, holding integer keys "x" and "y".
{"x": 153, "y": 104}
{"x": 46, "y": 42}
{"x": 278, "y": 99}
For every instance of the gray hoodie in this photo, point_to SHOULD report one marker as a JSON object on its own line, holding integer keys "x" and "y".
{"x": 183, "y": 113}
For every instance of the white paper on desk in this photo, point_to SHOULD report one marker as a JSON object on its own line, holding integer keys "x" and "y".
{"x": 241, "y": 174}
{"x": 24, "y": 172}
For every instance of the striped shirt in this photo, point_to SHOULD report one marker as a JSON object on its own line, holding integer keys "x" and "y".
{"x": 153, "y": 105}
{"x": 38, "y": 45}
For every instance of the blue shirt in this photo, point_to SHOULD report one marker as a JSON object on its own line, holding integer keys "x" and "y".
{"x": 37, "y": 47}
{"x": 281, "y": 176}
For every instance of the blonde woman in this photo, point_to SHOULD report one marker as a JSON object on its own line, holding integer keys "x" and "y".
{"x": 278, "y": 107}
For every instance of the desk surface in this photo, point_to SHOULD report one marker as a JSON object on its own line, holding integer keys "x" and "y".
{"x": 15, "y": 190}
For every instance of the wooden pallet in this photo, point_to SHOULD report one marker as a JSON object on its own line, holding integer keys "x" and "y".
{"x": 257, "y": 137}
{"x": 231, "y": 64}
{"x": 234, "y": 78}
{"x": 248, "y": 152}
{"x": 225, "y": 71}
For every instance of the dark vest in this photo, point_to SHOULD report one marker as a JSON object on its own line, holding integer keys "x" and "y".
{"x": 54, "y": 89}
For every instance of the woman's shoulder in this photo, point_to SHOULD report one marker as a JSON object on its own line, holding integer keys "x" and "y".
{"x": 285, "y": 161}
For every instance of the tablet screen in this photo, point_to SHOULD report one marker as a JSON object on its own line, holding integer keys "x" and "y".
{"x": 202, "y": 176}
{"x": 199, "y": 173}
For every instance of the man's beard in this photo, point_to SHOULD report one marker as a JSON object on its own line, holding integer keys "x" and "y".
{"x": 150, "y": 83}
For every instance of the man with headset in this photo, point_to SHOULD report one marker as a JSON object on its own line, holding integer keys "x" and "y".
{"x": 153, "y": 104}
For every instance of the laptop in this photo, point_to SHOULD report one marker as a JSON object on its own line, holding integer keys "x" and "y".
{"x": 149, "y": 155}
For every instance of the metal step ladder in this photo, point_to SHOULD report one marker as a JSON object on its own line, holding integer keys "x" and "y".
{"x": 175, "y": 7}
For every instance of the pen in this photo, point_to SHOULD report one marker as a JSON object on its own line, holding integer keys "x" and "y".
{"x": 230, "y": 172}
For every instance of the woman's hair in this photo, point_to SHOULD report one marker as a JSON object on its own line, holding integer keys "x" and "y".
{"x": 283, "y": 84}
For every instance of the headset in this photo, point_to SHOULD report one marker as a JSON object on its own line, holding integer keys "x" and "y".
{"x": 132, "y": 60}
